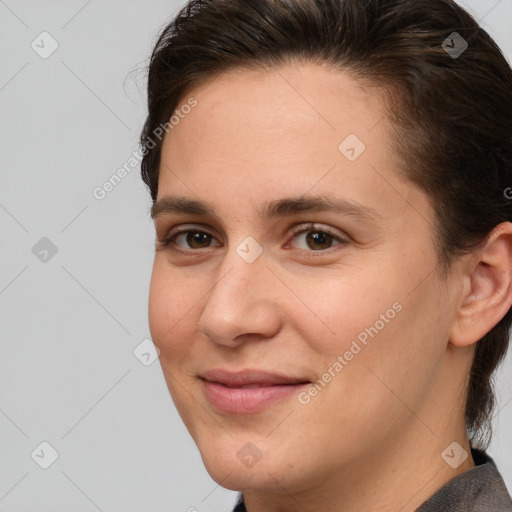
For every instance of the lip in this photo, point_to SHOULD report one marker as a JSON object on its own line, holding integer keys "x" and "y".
{"x": 224, "y": 390}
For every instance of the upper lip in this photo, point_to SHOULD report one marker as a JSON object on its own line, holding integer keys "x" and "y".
{"x": 250, "y": 376}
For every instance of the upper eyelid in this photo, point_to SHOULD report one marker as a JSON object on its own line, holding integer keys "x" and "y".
{"x": 178, "y": 230}
{"x": 311, "y": 226}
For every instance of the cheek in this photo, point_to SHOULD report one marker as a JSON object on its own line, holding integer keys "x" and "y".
{"x": 343, "y": 309}
{"x": 170, "y": 304}
{"x": 170, "y": 300}
{"x": 391, "y": 344}
{"x": 371, "y": 319}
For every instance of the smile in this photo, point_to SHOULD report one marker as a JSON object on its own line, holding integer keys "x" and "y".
{"x": 248, "y": 391}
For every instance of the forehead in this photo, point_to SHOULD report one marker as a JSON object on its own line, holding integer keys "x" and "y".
{"x": 296, "y": 129}
{"x": 244, "y": 110}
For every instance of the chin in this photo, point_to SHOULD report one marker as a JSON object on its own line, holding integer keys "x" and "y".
{"x": 239, "y": 480}
{"x": 238, "y": 464}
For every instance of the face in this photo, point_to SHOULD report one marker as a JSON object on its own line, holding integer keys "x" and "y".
{"x": 295, "y": 302}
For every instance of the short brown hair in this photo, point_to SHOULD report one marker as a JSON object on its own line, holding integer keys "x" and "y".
{"x": 451, "y": 114}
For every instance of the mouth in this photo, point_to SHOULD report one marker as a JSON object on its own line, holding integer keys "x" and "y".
{"x": 248, "y": 391}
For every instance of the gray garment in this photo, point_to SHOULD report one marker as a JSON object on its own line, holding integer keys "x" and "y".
{"x": 479, "y": 489}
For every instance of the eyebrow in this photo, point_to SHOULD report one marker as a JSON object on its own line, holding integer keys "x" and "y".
{"x": 274, "y": 209}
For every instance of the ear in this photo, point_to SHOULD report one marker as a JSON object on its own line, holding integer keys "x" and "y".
{"x": 487, "y": 290}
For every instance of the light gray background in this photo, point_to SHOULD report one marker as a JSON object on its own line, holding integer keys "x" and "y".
{"x": 69, "y": 326}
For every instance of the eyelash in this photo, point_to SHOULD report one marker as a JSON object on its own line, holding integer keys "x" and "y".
{"x": 167, "y": 242}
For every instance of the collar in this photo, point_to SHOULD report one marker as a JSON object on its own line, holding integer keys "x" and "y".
{"x": 480, "y": 488}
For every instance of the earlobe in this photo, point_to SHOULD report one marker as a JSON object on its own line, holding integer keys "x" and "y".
{"x": 487, "y": 293}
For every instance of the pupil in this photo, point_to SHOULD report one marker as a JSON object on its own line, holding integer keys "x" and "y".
{"x": 319, "y": 238}
{"x": 197, "y": 238}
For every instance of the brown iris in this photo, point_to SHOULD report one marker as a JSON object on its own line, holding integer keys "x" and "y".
{"x": 198, "y": 239}
{"x": 320, "y": 238}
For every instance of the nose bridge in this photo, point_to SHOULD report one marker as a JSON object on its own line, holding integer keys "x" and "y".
{"x": 240, "y": 273}
{"x": 239, "y": 302}
{"x": 244, "y": 265}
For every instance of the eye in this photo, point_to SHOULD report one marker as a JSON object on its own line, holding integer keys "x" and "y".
{"x": 310, "y": 237}
{"x": 317, "y": 238}
{"x": 192, "y": 238}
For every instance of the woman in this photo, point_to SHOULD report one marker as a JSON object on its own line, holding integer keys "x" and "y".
{"x": 332, "y": 280}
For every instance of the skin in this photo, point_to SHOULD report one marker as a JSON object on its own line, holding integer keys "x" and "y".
{"x": 372, "y": 438}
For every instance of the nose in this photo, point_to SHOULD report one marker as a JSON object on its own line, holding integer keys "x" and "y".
{"x": 243, "y": 303}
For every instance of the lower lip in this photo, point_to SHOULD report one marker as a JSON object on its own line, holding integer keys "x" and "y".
{"x": 247, "y": 400}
